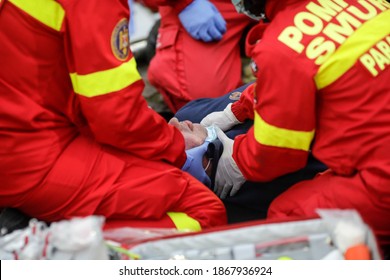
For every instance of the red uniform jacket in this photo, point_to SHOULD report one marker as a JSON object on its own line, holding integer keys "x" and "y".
{"x": 323, "y": 85}
{"x": 66, "y": 67}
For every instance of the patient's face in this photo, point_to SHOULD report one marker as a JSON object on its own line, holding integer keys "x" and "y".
{"x": 194, "y": 133}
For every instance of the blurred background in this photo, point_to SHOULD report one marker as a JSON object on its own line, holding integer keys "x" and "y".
{"x": 143, "y": 29}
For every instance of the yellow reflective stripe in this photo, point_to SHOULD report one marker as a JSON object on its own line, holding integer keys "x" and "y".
{"x": 184, "y": 222}
{"x": 49, "y": 12}
{"x": 270, "y": 135}
{"x": 349, "y": 52}
{"x": 106, "y": 81}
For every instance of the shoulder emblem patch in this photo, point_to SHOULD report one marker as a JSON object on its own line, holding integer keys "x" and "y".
{"x": 120, "y": 42}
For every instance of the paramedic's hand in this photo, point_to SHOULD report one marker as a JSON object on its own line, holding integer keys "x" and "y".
{"x": 194, "y": 163}
{"x": 225, "y": 119}
{"x": 229, "y": 178}
{"x": 203, "y": 21}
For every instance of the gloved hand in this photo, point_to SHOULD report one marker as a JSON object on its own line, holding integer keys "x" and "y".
{"x": 229, "y": 178}
{"x": 203, "y": 21}
{"x": 194, "y": 163}
{"x": 225, "y": 119}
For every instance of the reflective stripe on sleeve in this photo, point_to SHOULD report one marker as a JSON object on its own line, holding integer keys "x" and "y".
{"x": 184, "y": 222}
{"x": 273, "y": 136}
{"x": 48, "y": 12}
{"x": 350, "y": 51}
{"x": 107, "y": 81}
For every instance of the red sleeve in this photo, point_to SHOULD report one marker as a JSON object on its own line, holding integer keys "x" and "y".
{"x": 284, "y": 117}
{"x": 254, "y": 36}
{"x": 109, "y": 87}
{"x": 177, "y": 5}
{"x": 243, "y": 108}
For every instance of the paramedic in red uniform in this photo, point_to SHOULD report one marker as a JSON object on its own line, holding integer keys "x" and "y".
{"x": 198, "y": 50}
{"x": 323, "y": 72}
{"x": 77, "y": 138}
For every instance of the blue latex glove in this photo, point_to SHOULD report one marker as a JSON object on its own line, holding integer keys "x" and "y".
{"x": 203, "y": 21}
{"x": 194, "y": 163}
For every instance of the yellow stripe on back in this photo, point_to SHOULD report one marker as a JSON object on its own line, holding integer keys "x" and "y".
{"x": 107, "y": 81}
{"x": 48, "y": 12}
{"x": 350, "y": 51}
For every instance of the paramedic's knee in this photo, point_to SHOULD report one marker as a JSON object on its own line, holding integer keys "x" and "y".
{"x": 284, "y": 206}
{"x": 216, "y": 213}
{"x": 200, "y": 203}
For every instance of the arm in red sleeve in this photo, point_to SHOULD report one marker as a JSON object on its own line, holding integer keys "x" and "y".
{"x": 284, "y": 118}
{"x": 243, "y": 108}
{"x": 263, "y": 163}
{"x": 109, "y": 87}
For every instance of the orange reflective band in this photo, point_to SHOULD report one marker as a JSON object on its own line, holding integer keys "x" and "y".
{"x": 48, "y": 12}
{"x": 273, "y": 136}
{"x": 107, "y": 81}
{"x": 183, "y": 222}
